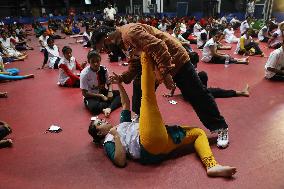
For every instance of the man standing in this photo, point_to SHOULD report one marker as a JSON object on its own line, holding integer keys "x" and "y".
{"x": 109, "y": 12}
{"x": 172, "y": 65}
{"x": 250, "y": 8}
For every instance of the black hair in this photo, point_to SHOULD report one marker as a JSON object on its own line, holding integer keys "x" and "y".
{"x": 65, "y": 49}
{"x": 93, "y": 54}
{"x": 214, "y": 32}
{"x": 94, "y": 133}
{"x": 100, "y": 33}
{"x": 49, "y": 39}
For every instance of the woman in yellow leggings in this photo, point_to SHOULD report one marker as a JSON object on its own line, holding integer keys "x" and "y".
{"x": 150, "y": 140}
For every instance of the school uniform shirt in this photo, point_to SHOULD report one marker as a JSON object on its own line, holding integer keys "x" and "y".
{"x": 71, "y": 65}
{"x": 263, "y": 32}
{"x": 230, "y": 35}
{"x": 89, "y": 79}
{"x": 201, "y": 42}
{"x": 85, "y": 34}
{"x": 196, "y": 29}
{"x": 206, "y": 53}
{"x": 129, "y": 138}
{"x": 6, "y": 44}
{"x": 163, "y": 27}
{"x": 53, "y": 54}
{"x": 109, "y": 13}
{"x": 244, "y": 26}
{"x": 279, "y": 38}
{"x": 275, "y": 60}
{"x": 44, "y": 40}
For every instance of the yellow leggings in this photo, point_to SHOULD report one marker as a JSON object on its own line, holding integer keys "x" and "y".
{"x": 153, "y": 134}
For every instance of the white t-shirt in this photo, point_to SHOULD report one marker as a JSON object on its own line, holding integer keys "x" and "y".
{"x": 275, "y": 60}
{"x": 278, "y": 39}
{"x": 250, "y": 7}
{"x": 182, "y": 28}
{"x": 201, "y": 42}
{"x": 206, "y": 53}
{"x": 6, "y": 43}
{"x": 196, "y": 29}
{"x": 53, "y": 54}
{"x": 230, "y": 36}
{"x": 89, "y": 80}
{"x": 16, "y": 39}
{"x": 163, "y": 27}
{"x": 244, "y": 26}
{"x": 233, "y": 21}
{"x": 180, "y": 38}
{"x": 43, "y": 40}
{"x": 129, "y": 137}
{"x": 263, "y": 32}
{"x": 109, "y": 13}
{"x": 63, "y": 77}
{"x": 87, "y": 35}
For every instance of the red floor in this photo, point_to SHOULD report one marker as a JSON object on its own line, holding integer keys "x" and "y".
{"x": 70, "y": 160}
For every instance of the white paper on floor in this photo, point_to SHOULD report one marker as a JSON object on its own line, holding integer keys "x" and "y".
{"x": 173, "y": 102}
{"x": 54, "y": 129}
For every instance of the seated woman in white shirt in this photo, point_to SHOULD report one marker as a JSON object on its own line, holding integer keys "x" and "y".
{"x": 96, "y": 88}
{"x": 263, "y": 34}
{"x": 67, "y": 69}
{"x": 210, "y": 54}
{"x": 150, "y": 141}
{"x": 197, "y": 28}
{"x": 247, "y": 46}
{"x": 177, "y": 34}
{"x": 203, "y": 37}
{"x": 229, "y": 35}
{"x": 244, "y": 26}
{"x": 274, "y": 67}
{"x": 51, "y": 55}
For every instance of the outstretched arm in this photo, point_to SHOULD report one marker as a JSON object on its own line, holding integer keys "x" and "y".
{"x": 123, "y": 95}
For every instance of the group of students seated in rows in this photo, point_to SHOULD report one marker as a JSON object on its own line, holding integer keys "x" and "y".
{"x": 149, "y": 140}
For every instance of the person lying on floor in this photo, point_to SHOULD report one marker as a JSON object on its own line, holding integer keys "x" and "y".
{"x": 210, "y": 54}
{"x": 150, "y": 140}
{"x": 8, "y": 47}
{"x": 274, "y": 67}
{"x": 51, "y": 55}
{"x": 67, "y": 69}
{"x": 247, "y": 46}
{"x": 11, "y": 74}
{"x": 5, "y": 130}
{"x": 96, "y": 88}
{"x": 217, "y": 92}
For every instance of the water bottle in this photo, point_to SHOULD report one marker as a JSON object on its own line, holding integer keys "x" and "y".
{"x": 227, "y": 62}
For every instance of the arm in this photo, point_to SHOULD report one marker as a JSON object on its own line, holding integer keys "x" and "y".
{"x": 87, "y": 94}
{"x": 123, "y": 95}
{"x": 78, "y": 66}
{"x": 68, "y": 72}
{"x": 133, "y": 69}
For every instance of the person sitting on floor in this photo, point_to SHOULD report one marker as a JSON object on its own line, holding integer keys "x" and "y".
{"x": 11, "y": 74}
{"x": 8, "y": 47}
{"x": 210, "y": 54}
{"x": 67, "y": 69}
{"x": 87, "y": 36}
{"x": 18, "y": 44}
{"x": 230, "y": 35}
{"x": 150, "y": 140}
{"x": 277, "y": 38}
{"x": 39, "y": 29}
{"x": 93, "y": 81}
{"x": 217, "y": 92}
{"x": 52, "y": 34}
{"x": 43, "y": 41}
{"x": 197, "y": 28}
{"x": 246, "y": 45}
{"x": 51, "y": 55}
{"x": 235, "y": 22}
{"x": 244, "y": 26}
{"x": 203, "y": 37}
{"x": 5, "y": 130}
{"x": 263, "y": 34}
{"x": 274, "y": 67}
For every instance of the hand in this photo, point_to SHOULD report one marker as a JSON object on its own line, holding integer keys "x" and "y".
{"x": 113, "y": 131}
{"x": 169, "y": 83}
{"x": 104, "y": 98}
{"x": 115, "y": 79}
{"x": 109, "y": 95}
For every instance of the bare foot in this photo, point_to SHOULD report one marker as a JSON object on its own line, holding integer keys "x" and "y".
{"x": 107, "y": 111}
{"x": 30, "y": 76}
{"x": 245, "y": 91}
{"x": 221, "y": 171}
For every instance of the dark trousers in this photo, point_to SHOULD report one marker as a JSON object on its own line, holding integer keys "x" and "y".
{"x": 255, "y": 46}
{"x": 221, "y": 60}
{"x": 3, "y": 132}
{"x": 216, "y": 92}
{"x": 199, "y": 97}
{"x": 96, "y": 105}
{"x": 277, "y": 77}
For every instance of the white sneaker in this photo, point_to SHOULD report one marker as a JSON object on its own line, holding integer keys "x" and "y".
{"x": 135, "y": 118}
{"x": 223, "y": 138}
